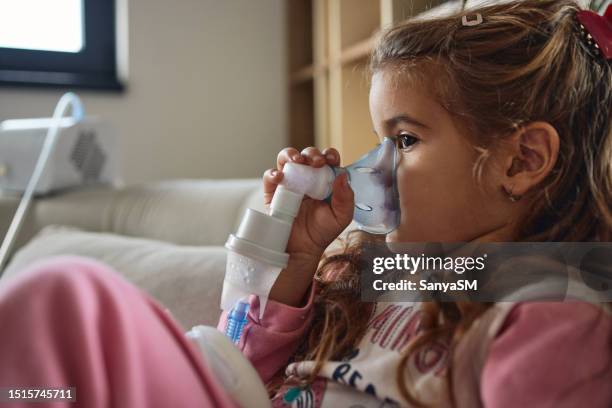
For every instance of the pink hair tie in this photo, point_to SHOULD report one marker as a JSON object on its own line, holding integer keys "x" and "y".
{"x": 597, "y": 31}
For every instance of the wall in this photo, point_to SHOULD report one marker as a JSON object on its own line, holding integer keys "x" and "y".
{"x": 206, "y": 90}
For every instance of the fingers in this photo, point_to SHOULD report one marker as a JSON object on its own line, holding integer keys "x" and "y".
{"x": 288, "y": 154}
{"x": 343, "y": 200}
{"x": 271, "y": 178}
{"x": 314, "y": 157}
{"x": 308, "y": 156}
{"x": 332, "y": 156}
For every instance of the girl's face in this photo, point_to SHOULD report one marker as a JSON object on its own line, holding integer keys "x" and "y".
{"x": 440, "y": 200}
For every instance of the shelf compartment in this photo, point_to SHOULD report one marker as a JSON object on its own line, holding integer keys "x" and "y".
{"x": 356, "y": 135}
{"x": 301, "y": 115}
{"x": 359, "y": 20}
{"x": 300, "y": 34}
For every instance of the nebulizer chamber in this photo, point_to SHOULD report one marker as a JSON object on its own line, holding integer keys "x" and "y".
{"x": 256, "y": 252}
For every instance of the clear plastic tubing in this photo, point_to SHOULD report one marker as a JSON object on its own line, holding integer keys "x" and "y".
{"x": 236, "y": 321}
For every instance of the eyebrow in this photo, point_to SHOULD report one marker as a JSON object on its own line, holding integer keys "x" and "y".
{"x": 404, "y": 118}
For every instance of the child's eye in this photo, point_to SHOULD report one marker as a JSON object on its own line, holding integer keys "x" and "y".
{"x": 406, "y": 140}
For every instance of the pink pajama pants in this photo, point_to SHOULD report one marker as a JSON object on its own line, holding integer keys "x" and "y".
{"x": 73, "y": 322}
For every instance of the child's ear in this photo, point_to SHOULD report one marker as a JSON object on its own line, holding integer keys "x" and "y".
{"x": 535, "y": 148}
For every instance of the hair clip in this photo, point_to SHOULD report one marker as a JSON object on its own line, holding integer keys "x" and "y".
{"x": 596, "y": 31}
{"x": 470, "y": 23}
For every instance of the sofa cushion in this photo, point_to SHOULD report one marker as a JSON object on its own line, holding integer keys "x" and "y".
{"x": 185, "y": 279}
{"x": 184, "y": 212}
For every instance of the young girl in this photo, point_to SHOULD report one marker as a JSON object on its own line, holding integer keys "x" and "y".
{"x": 503, "y": 131}
{"x": 503, "y": 134}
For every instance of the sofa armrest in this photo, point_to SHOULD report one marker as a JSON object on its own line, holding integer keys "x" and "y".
{"x": 186, "y": 212}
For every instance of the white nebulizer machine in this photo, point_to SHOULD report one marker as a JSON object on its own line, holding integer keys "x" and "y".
{"x": 256, "y": 254}
{"x": 45, "y": 155}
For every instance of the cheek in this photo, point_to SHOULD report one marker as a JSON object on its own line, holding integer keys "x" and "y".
{"x": 428, "y": 186}
{"x": 439, "y": 199}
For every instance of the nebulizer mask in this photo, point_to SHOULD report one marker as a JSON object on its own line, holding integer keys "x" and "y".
{"x": 256, "y": 255}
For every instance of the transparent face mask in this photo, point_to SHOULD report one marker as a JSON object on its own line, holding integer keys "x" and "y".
{"x": 373, "y": 180}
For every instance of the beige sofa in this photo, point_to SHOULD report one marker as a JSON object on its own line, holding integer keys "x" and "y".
{"x": 165, "y": 237}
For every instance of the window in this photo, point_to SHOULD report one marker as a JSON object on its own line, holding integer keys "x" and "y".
{"x": 58, "y": 43}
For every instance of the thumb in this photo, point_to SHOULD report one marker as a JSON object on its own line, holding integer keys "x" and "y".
{"x": 342, "y": 200}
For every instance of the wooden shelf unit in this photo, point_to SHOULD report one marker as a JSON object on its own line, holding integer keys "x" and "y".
{"x": 329, "y": 45}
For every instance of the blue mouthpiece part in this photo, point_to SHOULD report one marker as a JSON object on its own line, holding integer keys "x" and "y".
{"x": 236, "y": 321}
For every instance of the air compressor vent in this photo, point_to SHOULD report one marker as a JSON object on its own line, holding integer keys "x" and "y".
{"x": 87, "y": 156}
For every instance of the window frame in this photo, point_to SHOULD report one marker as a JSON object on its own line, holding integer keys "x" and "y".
{"x": 94, "y": 67}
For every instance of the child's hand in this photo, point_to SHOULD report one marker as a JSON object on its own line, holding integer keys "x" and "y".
{"x": 316, "y": 225}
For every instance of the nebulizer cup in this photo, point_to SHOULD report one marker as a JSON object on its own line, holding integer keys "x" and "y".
{"x": 256, "y": 252}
